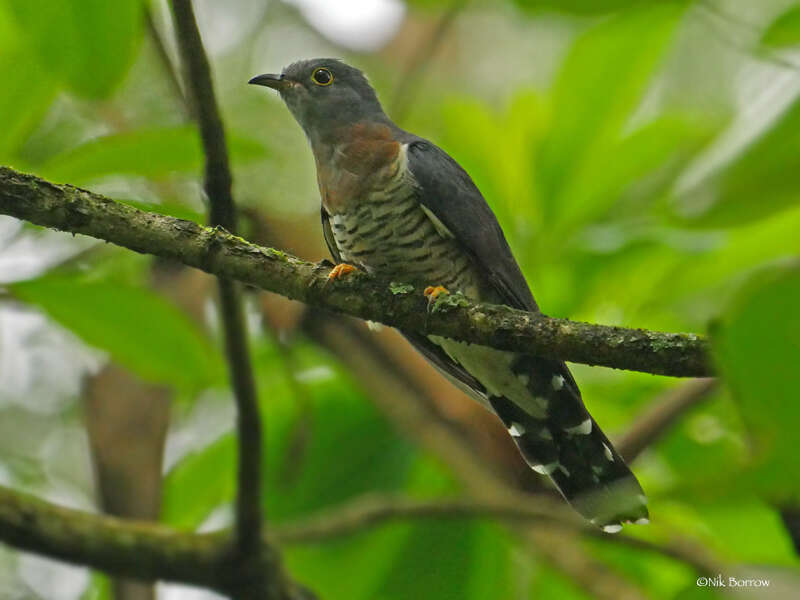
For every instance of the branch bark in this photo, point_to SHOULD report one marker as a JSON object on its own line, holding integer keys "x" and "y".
{"x": 216, "y": 251}
{"x": 132, "y": 548}
{"x": 222, "y": 213}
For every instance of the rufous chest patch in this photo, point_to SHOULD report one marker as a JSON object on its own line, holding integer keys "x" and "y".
{"x": 363, "y": 160}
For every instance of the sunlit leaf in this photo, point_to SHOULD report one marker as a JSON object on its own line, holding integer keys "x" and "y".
{"x": 600, "y": 84}
{"x": 666, "y": 141}
{"x": 139, "y": 329}
{"x": 761, "y": 181}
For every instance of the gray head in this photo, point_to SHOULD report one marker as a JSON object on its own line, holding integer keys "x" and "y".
{"x": 324, "y": 94}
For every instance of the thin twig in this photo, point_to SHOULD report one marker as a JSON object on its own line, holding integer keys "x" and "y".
{"x": 662, "y": 414}
{"x": 163, "y": 56}
{"x": 420, "y": 61}
{"x": 360, "y": 295}
{"x": 374, "y": 510}
{"x": 222, "y": 213}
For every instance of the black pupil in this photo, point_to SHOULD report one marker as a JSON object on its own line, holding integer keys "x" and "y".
{"x": 322, "y": 76}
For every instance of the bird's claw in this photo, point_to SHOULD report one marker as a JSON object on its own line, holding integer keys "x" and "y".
{"x": 340, "y": 270}
{"x": 432, "y": 292}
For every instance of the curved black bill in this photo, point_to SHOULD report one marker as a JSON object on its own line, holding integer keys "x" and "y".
{"x": 270, "y": 80}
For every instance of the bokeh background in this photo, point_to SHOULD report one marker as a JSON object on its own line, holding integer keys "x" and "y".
{"x": 644, "y": 161}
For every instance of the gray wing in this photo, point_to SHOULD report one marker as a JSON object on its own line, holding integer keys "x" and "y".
{"x": 448, "y": 192}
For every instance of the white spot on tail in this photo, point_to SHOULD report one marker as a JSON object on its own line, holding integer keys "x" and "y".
{"x": 374, "y": 326}
{"x": 642, "y": 498}
{"x": 642, "y": 521}
{"x": 516, "y": 430}
{"x": 585, "y": 428}
{"x": 615, "y": 528}
{"x": 545, "y": 469}
{"x": 557, "y": 382}
{"x": 608, "y": 453}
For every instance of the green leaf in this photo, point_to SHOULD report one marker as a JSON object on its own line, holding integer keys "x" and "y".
{"x": 668, "y": 139}
{"x": 599, "y": 86}
{"x": 762, "y": 180}
{"x": 145, "y": 152}
{"x": 138, "y": 328}
{"x": 26, "y": 89}
{"x": 550, "y": 583}
{"x": 351, "y": 450}
{"x": 451, "y": 559}
{"x": 87, "y": 45}
{"x": 757, "y": 347}
{"x": 199, "y": 483}
{"x": 785, "y": 30}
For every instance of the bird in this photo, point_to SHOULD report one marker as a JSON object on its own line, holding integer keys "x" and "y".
{"x": 397, "y": 206}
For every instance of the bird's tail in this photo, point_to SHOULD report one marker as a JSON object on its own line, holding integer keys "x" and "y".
{"x": 565, "y": 443}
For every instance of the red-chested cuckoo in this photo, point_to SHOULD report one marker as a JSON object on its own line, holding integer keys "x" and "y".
{"x": 396, "y": 205}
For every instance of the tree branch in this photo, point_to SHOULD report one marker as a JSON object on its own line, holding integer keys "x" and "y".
{"x": 375, "y": 510}
{"x": 216, "y": 251}
{"x": 218, "y": 180}
{"x": 661, "y": 415}
{"x": 131, "y": 548}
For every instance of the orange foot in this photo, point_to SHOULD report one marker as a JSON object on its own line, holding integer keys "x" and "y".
{"x": 433, "y": 292}
{"x": 340, "y": 271}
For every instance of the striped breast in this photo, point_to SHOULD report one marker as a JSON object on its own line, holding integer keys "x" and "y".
{"x": 387, "y": 231}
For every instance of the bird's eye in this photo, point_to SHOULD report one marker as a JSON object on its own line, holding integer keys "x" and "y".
{"x": 322, "y": 76}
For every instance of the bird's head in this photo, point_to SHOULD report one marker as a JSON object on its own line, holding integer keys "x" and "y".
{"x": 324, "y": 94}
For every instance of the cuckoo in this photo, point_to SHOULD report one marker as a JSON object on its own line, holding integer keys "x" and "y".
{"x": 396, "y": 205}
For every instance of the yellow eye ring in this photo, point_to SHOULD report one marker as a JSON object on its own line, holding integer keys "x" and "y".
{"x": 322, "y": 76}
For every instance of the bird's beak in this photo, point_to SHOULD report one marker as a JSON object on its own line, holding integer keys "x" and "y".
{"x": 270, "y": 80}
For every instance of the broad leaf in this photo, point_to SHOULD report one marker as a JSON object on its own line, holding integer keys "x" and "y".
{"x": 599, "y": 86}
{"x": 762, "y": 180}
{"x": 148, "y": 153}
{"x": 785, "y": 30}
{"x": 88, "y": 45}
{"x": 139, "y": 329}
{"x": 757, "y": 346}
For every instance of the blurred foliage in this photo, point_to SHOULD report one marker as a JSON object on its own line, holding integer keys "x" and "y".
{"x": 785, "y": 30}
{"x": 633, "y": 191}
{"x": 126, "y": 320}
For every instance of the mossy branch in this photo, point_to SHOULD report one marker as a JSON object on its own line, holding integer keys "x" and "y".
{"x": 216, "y": 251}
{"x": 135, "y": 549}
